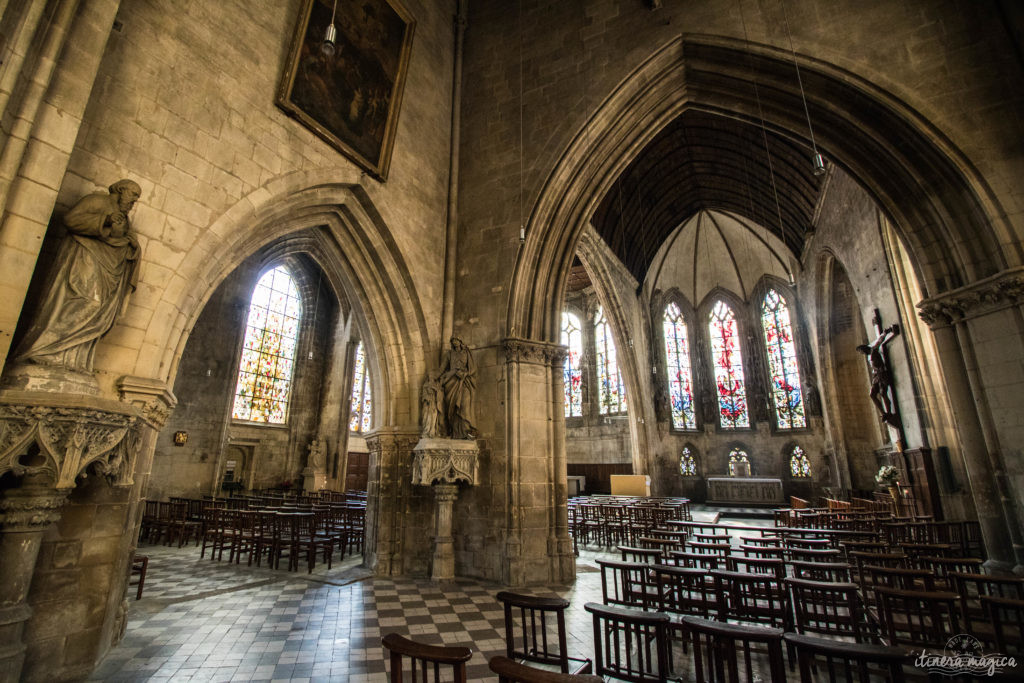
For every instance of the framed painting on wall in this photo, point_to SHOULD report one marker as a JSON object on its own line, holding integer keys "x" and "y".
{"x": 350, "y": 96}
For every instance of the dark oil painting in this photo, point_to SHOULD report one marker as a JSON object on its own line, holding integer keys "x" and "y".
{"x": 351, "y": 98}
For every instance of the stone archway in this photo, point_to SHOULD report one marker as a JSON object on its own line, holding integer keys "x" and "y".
{"x": 947, "y": 214}
{"x": 949, "y": 218}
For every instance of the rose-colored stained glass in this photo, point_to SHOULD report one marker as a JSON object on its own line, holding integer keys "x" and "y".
{"x": 362, "y": 395}
{"x": 782, "y": 364}
{"x": 728, "y": 363}
{"x": 265, "y": 368}
{"x": 611, "y": 391}
{"x": 680, "y": 371}
{"x": 572, "y": 371}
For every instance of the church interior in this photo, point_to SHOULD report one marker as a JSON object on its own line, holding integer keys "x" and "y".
{"x": 505, "y": 296}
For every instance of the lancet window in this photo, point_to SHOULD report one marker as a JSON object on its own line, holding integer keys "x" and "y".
{"x": 268, "y": 352}
{"x": 783, "y": 369}
{"x": 572, "y": 380}
{"x": 727, "y": 360}
{"x": 611, "y": 391}
{"x": 680, "y": 369}
{"x": 362, "y": 395}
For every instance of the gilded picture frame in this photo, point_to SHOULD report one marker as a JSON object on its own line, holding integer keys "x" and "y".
{"x": 350, "y": 98}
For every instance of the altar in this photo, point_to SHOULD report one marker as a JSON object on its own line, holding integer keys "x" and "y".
{"x": 754, "y": 490}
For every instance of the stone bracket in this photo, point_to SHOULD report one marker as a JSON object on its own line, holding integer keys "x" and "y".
{"x": 444, "y": 461}
{"x": 72, "y": 434}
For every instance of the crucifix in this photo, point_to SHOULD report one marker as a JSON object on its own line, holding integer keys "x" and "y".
{"x": 883, "y": 394}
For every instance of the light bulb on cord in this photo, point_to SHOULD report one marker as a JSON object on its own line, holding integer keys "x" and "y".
{"x": 330, "y": 35}
{"x": 819, "y": 164}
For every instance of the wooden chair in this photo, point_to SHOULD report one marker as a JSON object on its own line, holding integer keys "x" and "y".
{"x": 814, "y": 554}
{"x": 661, "y": 544}
{"x": 628, "y": 584}
{"x": 761, "y": 541}
{"x": 648, "y": 555}
{"x": 687, "y": 559}
{"x": 756, "y": 565}
{"x": 824, "y": 659}
{"x": 917, "y": 617}
{"x": 140, "y": 564}
{"x": 713, "y": 538}
{"x": 699, "y": 547}
{"x": 835, "y": 572}
{"x": 685, "y": 590}
{"x": 768, "y": 552}
{"x": 971, "y": 588}
{"x": 630, "y": 644}
{"x": 1007, "y": 618}
{"x": 423, "y": 657}
{"x": 510, "y": 671}
{"x": 943, "y": 568}
{"x": 756, "y": 598}
{"x": 832, "y": 609}
{"x": 535, "y": 620}
{"x": 718, "y": 649}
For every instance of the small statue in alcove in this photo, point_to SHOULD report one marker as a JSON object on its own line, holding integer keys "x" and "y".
{"x": 431, "y": 407}
{"x": 881, "y": 377}
{"x": 458, "y": 377}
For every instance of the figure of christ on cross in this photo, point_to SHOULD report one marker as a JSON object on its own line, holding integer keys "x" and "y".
{"x": 881, "y": 378}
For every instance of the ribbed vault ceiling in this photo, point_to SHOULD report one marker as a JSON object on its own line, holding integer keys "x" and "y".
{"x": 704, "y": 161}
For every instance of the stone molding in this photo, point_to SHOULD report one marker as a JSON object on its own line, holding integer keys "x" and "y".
{"x": 519, "y": 350}
{"x": 985, "y": 296}
{"x": 25, "y": 510}
{"x": 151, "y": 397}
{"x": 72, "y": 434}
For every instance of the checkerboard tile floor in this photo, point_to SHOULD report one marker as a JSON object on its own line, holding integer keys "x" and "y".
{"x": 212, "y": 621}
{"x": 203, "y": 620}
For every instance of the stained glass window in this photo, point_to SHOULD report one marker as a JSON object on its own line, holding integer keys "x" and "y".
{"x": 799, "y": 465}
{"x": 572, "y": 378}
{"x": 680, "y": 372}
{"x": 782, "y": 364}
{"x": 739, "y": 463}
{"x": 687, "y": 463}
{"x": 362, "y": 396}
{"x": 611, "y": 392}
{"x": 728, "y": 364}
{"x": 268, "y": 353}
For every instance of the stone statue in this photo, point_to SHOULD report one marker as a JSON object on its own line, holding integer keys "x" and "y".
{"x": 881, "y": 378}
{"x": 431, "y": 407}
{"x": 97, "y": 266}
{"x": 318, "y": 453}
{"x": 458, "y": 377}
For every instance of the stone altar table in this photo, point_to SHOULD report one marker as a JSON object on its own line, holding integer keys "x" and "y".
{"x": 755, "y": 490}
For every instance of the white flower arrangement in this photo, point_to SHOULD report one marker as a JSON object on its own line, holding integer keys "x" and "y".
{"x": 887, "y": 475}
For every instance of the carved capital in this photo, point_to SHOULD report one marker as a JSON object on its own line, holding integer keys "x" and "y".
{"x": 30, "y": 509}
{"x": 536, "y": 352}
{"x": 153, "y": 400}
{"x": 992, "y": 293}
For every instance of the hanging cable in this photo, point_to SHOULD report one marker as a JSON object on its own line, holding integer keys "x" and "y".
{"x": 819, "y": 161}
{"x": 522, "y": 224}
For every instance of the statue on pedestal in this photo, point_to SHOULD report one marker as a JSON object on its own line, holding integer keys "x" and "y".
{"x": 96, "y": 268}
{"x": 458, "y": 377}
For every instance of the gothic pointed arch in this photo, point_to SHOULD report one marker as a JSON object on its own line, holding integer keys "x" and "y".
{"x": 945, "y": 210}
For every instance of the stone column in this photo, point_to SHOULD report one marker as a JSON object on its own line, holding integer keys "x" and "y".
{"x": 980, "y": 469}
{"x": 442, "y": 565}
{"x": 25, "y": 515}
{"x": 563, "y": 559}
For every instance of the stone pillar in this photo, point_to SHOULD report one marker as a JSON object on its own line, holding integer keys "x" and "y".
{"x": 25, "y": 515}
{"x": 536, "y": 524}
{"x": 442, "y": 565}
{"x": 389, "y": 499}
{"x": 560, "y": 550}
{"x": 981, "y": 471}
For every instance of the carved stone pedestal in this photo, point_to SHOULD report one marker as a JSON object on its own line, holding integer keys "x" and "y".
{"x": 443, "y": 463}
